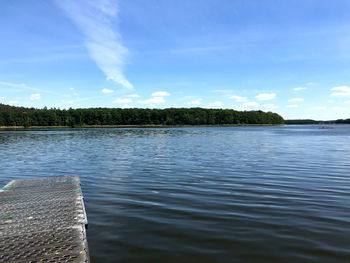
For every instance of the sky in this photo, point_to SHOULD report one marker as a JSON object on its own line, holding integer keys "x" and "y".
{"x": 288, "y": 57}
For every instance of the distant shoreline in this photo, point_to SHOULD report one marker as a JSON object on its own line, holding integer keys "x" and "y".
{"x": 11, "y": 116}
{"x": 132, "y": 126}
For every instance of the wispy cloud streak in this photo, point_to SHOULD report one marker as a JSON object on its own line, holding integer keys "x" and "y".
{"x": 24, "y": 86}
{"x": 94, "y": 18}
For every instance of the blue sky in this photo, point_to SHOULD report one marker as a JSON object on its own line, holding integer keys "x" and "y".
{"x": 289, "y": 57}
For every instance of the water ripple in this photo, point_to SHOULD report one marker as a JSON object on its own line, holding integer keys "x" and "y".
{"x": 229, "y": 194}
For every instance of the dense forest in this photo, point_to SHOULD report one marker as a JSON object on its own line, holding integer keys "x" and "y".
{"x": 20, "y": 116}
{"x": 301, "y": 121}
{"x": 309, "y": 121}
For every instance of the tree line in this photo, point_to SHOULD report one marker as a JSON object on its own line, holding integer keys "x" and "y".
{"x": 20, "y": 116}
{"x": 309, "y": 121}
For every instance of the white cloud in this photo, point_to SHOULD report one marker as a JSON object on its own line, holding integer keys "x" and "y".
{"x": 13, "y": 102}
{"x": 238, "y": 98}
{"x": 158, "y": 98}
{"x": 340, "y": 108}
{"x": 35, "y": 96}
{"x": 292, "y": 106}
{"x": 296, "y": 100}
{"x": 95, "y": 19}
{"x": 133, "y": 96}
{"x": 67, "y": 102}
{"x": 251, "y": 104}
{"x": 299, "y": 89}
{"x": 215, "y": 104}
{"x": 71, "y": 88}
{"x": 2, "y": 98}
{"x": 319, "y": 108}
{"x": 270, "y": 106}
{"x": 348, "y": 101}
{"x": 160, "y": 94}
{"x": 107, "y": 91}
{"x": 14, "y": 85}
{"x": 194, "y": 102}
{"x": 266, "y": 96}
{"x": 127, "y": 106}
{"x": 153, "y": 101}
{"x": 340, "y": 91}
{"x": 24, "y": 86}
{"x": 123, "y": 100}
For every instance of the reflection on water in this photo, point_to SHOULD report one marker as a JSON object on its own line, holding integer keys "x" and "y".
{"x": 208, "y": 194}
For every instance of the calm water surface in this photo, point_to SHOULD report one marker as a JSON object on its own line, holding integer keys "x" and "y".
{"x": 208, "y": 194}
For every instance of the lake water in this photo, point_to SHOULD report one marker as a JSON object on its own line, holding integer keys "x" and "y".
{"x": 200, "y": 194}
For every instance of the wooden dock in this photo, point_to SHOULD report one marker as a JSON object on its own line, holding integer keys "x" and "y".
{"x": 43, "y": 220}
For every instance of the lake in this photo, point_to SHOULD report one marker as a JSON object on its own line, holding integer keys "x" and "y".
{"x": 200, "y": 194}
